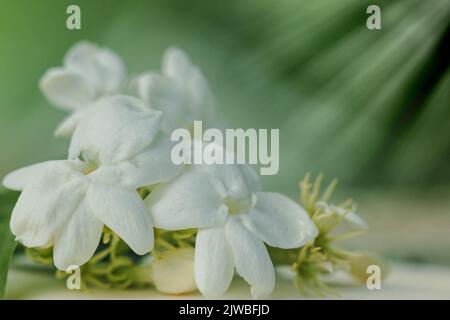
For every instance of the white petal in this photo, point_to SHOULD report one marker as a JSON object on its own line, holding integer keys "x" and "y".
{"x": 200, "y": 93}
{"x": 237, "y": 181}
{"x": 251, "y": 177}
{"x": 181, "y": 92}
{"x": 68, "y": 125}
{"x": 165, "y": 95}
{"x": 77, "y": 241}
{"x": 192, "y": 86}
{"x": 123, "y": 212}
{"x": 176, "y": 65}
{"x": 350, "y": 215}
{"x": 66, "y": 89}
{"x": 189, "y": 201}
{"x": 43, "y": 173}
{"x": 280, "y": 222}
{"x": 355, "y": 220}
{"x": 18, "y": 179}
{"x": 42, "y": 209}
{"x": 214, "y": 266}
{"x": 103, "y": 68}
{"x": 152, "y": 165}
{"x": 251, "y": 259}
{"x": 117, "y": 129}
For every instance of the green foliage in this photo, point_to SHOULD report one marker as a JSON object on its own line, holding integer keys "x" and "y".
{"x": 167, "y": 240}
{"x": 7, "y": 243}
{"x": 351, "y": 102}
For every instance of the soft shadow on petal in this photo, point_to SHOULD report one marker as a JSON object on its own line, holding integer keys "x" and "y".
{"x": 251, "y": 259}
{"x": 152, "y": 165}
{"x": 192, "y": 86}
{"x": 238, "y": 181}
{"x": 118, "y": 128}
{"x": 189, "y": 201}
{"x": 281, "y": 222}
{"x": 251, "y": 177}
{"x": 165, "y": 95}
{"x": 214, "y": 266}
{"x": 202, "y": 102}
{"x": 77, "y": 241}
{"x": 41, "y": 211}
{"x": 123, "y": 211}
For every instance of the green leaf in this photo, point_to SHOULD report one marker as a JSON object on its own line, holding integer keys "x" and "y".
{"x": 7, "y": 243}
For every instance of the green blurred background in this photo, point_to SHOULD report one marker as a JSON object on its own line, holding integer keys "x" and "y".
{"x": 370, "y": 107}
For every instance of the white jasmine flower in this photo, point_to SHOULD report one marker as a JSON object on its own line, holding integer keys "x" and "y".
{"x": 349, "y": 215}
{"x": 89, "y": 72}
{"x": 66, "y": 203}
{"x": 181, "y": 91}
{"x": 173, "y": 271}
{"x": 234, "y": 220}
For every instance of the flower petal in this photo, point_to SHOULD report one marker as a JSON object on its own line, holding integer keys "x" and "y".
{"x": 237, "y": 181}
{"x": 66, "y": 89}
{"x": 165, "y": 95}
{"x": 251, "y": 258}
{"x": 18, "y": 179}
{"x": 68, "y": 125}
{"x": 189, "y": 201}
{"x": 192, "y": 86}
{"x": 77, "y": 241}
{"x": 355, "y": 220}
{"x": 45, "y": 205}
{"x": 152, "y": 165}
{"x": 49, "y": 172}
{"x": 123, "y": 211}
{"x": 173, "y": 271}
{"x": 214, "y": 266}
{"x": 176, "y": 65}
{"x": 102, "y": 67}
{"x": 201, "y": 95}
{"x": 118, "y": 128}
{"x": 251, "y": 178}
{"x": 181, "y": 92}
{"x": 350, "y": 216}
{"x": 280, "y": 222}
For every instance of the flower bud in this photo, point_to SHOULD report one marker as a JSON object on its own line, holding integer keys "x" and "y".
{"x": 173, "y": 271}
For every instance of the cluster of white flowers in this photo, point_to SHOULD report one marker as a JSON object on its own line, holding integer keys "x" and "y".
{"x": 119, "y": 130}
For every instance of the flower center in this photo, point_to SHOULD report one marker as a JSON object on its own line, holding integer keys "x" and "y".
{"x": 90, "y": 165}
{"x": 238, "y": 206}
{"x": 89, "y": 169}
